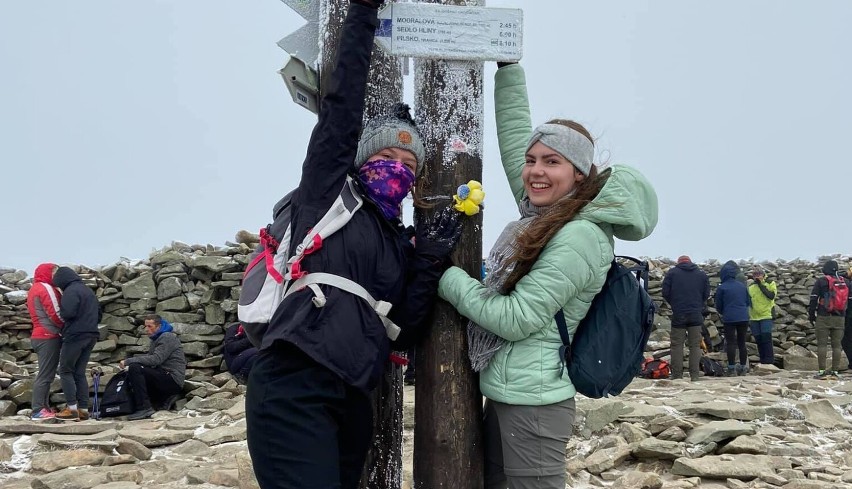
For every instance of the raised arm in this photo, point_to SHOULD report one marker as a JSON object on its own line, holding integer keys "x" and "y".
{"x": 514, "y": 125}
{"x": 334, "y": 141}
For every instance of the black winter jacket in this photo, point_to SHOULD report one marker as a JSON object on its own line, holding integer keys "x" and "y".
{"x": 78, "y": 307}
{"x": 346, "y": 335}
{"x": 686, "y": 288}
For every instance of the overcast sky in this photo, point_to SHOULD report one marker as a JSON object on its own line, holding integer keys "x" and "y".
{"x": 126, "y": 125}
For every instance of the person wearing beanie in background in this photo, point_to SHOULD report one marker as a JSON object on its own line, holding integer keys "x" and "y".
{"x": 81, "y": 312}
{"x": 156, "y": 378}
{"x": 763, "y": 293}
{"x": 308, "y": 407}
{"x": 43, "y": 306}
{"x": 828, "y": 321}
{"x": 732, "y": 302}
{"x": 686, "y": 288}
{"x": 846, "y": 342}
{"x": 549, "y": 262}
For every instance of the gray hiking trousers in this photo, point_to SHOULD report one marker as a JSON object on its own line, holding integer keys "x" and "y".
{"x": 691, "y": 335}
{"x": 48, "y": 360}
{"x": 829, "y": 327}
{"x": 525, "y": 445}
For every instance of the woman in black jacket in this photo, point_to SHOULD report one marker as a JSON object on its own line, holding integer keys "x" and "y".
{"x": 308, "y": 409}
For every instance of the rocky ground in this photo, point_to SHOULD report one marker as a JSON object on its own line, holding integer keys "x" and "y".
{"x": 769, "y": 429}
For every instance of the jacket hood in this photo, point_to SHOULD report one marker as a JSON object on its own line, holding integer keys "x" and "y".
{"x": 830, "y": 267}
{"x": 729, "y": 271}
{"x": 687, "y": 265}
{"x": 44, "y": 273}
{"x": 165, "y": 327}
{"x": 627, "y": 202}
{"x": 64, "y": 276}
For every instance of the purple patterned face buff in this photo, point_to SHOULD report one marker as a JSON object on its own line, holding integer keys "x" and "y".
{"x": 387, "y": 183}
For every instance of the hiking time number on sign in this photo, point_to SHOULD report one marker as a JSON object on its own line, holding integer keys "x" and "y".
{"x": 431, "y": 30}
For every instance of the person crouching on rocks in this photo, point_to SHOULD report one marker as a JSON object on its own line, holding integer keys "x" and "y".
{"x": 156, "y": 378}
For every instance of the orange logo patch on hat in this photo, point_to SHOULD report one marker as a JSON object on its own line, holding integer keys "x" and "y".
{"x": 404, "y": 137}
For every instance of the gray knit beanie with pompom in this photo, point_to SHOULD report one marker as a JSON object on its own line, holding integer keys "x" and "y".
{"x": 395, "y": 130}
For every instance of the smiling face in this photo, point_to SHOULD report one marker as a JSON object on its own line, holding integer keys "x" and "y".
{"x": 547, "y": 175}
{"x": 397, "y": 154}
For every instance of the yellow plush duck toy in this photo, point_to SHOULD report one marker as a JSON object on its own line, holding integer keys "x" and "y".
{"x": 469, "y": 197}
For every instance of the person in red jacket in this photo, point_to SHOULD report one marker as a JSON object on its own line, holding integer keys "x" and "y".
{"x": 43, "y": 305}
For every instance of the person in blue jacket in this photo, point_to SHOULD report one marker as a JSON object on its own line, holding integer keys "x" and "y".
{"x": 308, "y": 406}
{"x": 732, "y": 302}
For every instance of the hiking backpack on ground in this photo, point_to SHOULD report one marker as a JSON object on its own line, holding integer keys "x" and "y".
{"x": 272, "y": 274}
{"x": 711, "y": 368}
{"x": 655, "y": 369}
{"x": 835, "y": 299}
{"x": 609, "y": 344}
{"x": 117, "y": 399}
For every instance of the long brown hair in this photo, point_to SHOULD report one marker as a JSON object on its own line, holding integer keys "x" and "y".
{"x": 533, "y": 239}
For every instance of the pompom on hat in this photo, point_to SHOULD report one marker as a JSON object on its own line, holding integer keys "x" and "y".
{"x": 395, "y": 130}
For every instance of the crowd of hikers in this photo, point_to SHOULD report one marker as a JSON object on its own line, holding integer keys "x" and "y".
{"x": 320, "y": 316}
{"x": 745, "y": 308}
{"x": 65, "y": 314}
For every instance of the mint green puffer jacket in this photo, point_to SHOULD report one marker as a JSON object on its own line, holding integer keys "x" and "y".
{"x": 570, "y": 271}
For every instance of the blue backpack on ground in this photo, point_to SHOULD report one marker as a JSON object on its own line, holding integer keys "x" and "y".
{"x": 608, "y": 347}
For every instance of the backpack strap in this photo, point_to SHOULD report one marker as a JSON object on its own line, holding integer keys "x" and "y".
{"x": 340, "y": 213}
{"x": 313, "y": 280}
{"x": 565, "y": 349}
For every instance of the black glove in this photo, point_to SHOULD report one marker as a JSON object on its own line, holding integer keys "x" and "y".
{"x": 376, "y": 4}
{"x": 439, "y": 237}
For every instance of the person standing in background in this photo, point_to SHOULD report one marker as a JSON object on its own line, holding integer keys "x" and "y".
{"x": 686, "y": 288}
{"x": 43, "y": 306}
{"x": 827, "y": 319}
{"x": 763, "y": 293}
{"x": 81, "y": 312}
{"x": 732, "y": 302}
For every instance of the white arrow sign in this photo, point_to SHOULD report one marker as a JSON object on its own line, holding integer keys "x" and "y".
{"x": 431, "y": 30}
{"x": 303, "y": 43}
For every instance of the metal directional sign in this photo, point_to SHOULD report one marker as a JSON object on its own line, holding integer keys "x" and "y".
{"x": 430, "y": 30}
{"x": 304, "y": 42}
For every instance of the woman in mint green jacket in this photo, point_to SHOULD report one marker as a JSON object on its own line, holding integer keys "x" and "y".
{"x": 555, "y": 257}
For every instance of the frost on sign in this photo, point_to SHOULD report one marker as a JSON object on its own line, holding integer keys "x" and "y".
{"x": 429, "y": 30}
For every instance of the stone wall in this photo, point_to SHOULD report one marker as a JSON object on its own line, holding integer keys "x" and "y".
{"x": 196, "y": 288}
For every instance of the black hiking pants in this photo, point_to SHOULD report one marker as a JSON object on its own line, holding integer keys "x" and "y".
{"x": 150, "y": 385}
{"x": 735, "y": 338}
{"x": 306, "y": 427}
